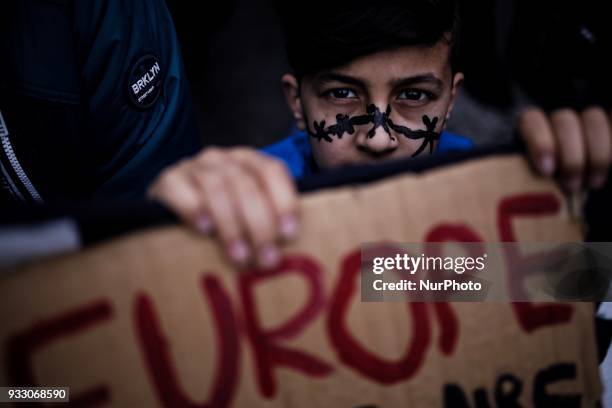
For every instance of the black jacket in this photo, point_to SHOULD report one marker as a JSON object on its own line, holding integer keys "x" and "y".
{"x": 93, "y": 98}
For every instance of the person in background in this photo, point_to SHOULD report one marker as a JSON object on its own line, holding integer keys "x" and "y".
{"x": 547, "y": 75}
{"x": 93, "y": 99}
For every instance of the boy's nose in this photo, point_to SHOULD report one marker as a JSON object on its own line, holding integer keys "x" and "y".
{"x": 379, "y": 143}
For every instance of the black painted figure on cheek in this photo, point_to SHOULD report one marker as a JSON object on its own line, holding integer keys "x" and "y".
{"x": 346, "y": 124}
{"x": 429, "y": 135}
{"x": 343, "y": 124}
{"x": 320, "y": 132}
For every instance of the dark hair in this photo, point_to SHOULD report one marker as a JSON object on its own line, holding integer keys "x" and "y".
{"x": 322, "y": 34}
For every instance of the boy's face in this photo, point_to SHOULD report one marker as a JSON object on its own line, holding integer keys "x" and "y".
{"x": 388, "y": 105}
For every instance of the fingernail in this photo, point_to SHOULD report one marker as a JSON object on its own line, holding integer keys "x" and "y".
{"x": 573, "y": 184}
{"x": 204, "y": 224}
{"x": 289, "y": 227}
{"x": 597, "y": 180}
{"x": 269, "y": 256}
{"x": 239, "y": 252}
{"x": 546, "y": 165}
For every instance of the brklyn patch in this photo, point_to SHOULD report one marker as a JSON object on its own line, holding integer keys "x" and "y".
{"x": 145, "y": 82}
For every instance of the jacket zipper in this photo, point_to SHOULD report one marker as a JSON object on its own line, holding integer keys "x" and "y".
{"x": 16, "y": 166}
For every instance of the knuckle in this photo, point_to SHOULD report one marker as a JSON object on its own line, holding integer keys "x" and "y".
{"x": 564, "y": 114}
{"x": 249, "y": 188}
{"x": 276, "y": 170}
{"x": 241, "y": 153}
{"x": 168, "y": 179}
{"x": 212, "y": 182}
{"x": 277, "y": 166}
{"x": 271, "y": 168}
{"x": 529, "y": 114}
{"x": 211, "y": 154}
{"x": 243, "y": 150}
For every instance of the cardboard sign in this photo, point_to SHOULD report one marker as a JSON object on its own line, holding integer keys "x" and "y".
{"x": 158, "y": 318}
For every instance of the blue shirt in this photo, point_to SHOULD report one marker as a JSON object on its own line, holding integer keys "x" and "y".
{"x": 296, "y": 152}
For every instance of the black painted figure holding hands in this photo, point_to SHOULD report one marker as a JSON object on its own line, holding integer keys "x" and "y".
{"x": 378, "y": 119}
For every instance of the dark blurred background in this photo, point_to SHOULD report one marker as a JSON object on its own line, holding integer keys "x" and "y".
{"x": 235, "y": 58}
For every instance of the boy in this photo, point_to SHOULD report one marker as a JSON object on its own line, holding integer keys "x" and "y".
{"x": 372, "y": 82}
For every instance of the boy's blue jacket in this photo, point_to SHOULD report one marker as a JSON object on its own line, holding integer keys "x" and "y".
{"x": 296, "y": 152}
{"x": 93, "y": 98}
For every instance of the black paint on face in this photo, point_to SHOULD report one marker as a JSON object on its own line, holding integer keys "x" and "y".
{"x": 429, "y": 135}
{"x": 379, "y": 119}
{"x": 345, "y": 124}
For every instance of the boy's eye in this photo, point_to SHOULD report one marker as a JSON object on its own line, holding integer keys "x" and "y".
{"x": 341, "y": 93}
{"x": 415, "y": 95}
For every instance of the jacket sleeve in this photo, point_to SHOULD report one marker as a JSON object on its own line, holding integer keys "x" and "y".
{"x": 138, "y": 116}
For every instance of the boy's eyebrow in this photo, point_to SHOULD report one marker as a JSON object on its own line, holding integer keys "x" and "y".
{"x": 334, "y": 76}
{"x": 418, "y": 79}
